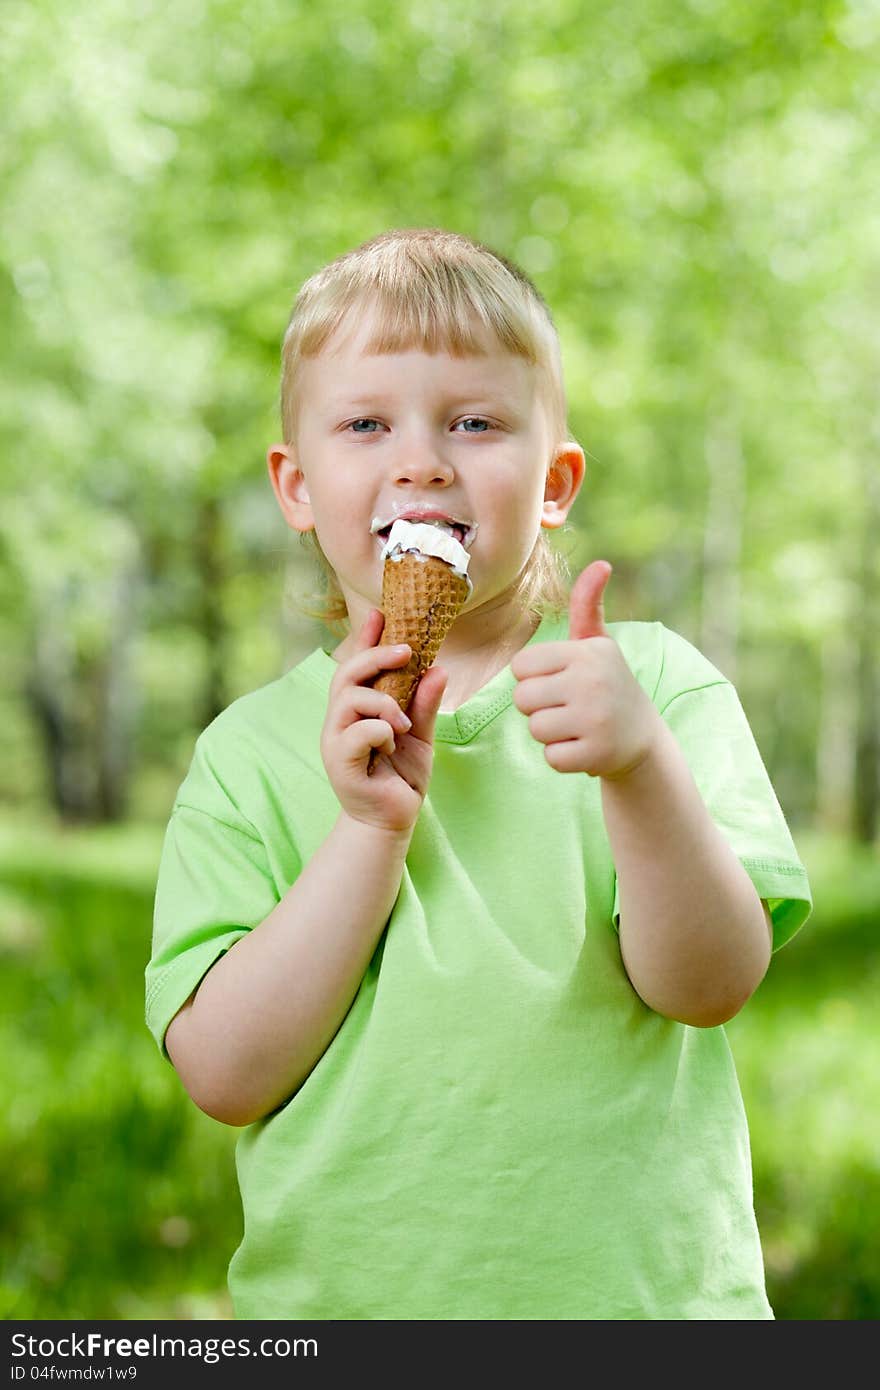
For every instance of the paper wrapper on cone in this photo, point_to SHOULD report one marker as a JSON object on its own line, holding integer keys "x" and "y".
{"x": 421, "y": 598}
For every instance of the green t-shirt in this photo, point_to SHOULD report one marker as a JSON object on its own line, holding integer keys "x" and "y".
{"x": 500, "y": 1129}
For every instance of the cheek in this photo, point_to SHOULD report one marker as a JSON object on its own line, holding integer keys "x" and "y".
{"x": 528, "y": 510}
{"x": 511, "y": 541}
{"x": 343, "y": 528}
{"x": 335, "y": 498}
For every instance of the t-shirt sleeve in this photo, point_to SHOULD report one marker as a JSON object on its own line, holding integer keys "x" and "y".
{"x": 214, "y": 885}
{"x": 704, "y": 711}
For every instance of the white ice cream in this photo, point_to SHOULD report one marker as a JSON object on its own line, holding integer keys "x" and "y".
{"x": 423, "y": 538}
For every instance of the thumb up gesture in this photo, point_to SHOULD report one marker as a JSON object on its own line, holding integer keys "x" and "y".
{"x": 586, "y": 606}
{"x": 583, "y": 702}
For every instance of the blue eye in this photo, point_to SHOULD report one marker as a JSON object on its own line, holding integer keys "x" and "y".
{"x": 481, "y": 425}
{"x": 371, "y": 426}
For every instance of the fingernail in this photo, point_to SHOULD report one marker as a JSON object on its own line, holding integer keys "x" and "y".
{"x": 401, "y": 648}
{"x": 405, "y": 721}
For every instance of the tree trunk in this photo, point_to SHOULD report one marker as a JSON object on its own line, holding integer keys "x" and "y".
{"x": 836, "y": 743}
{"x": 49, "y": 692}
{"x": 866, "y": 804}
{"x": 209, "y": 559}
{"x": 85, "y": 706}
{"x": 118, "y": 702}
{"x": 722, "y": 545}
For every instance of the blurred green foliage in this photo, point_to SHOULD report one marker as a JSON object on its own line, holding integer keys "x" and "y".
{"x": 119, "y": 1197}
{"x": 693, "y": 188}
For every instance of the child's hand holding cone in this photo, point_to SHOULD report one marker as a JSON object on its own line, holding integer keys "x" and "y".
{"x": 361, "y": 719}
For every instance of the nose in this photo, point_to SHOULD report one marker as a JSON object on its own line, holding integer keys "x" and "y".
{"x": 421, "y": 466}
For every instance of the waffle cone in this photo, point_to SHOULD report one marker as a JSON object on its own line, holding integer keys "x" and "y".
{"x": 421, "y": 598}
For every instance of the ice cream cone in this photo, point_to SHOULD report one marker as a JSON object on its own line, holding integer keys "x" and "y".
{"x": 425, "y": 585}
{"x": 421, "y": 598}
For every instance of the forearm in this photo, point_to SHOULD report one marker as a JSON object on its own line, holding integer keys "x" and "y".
{"x": 267, "y": 1010}
{"x": 693, "y": 933}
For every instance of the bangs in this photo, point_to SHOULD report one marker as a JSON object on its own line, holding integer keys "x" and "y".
{"x": 423, "y": 290}
{"x": 436, "y": 312}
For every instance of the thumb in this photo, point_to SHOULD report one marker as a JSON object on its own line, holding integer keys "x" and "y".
{"x": 586, "y": 608}
{"x": 426, "y": 703}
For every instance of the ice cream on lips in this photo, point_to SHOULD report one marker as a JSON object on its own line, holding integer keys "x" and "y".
{"x": 426, "y": 538}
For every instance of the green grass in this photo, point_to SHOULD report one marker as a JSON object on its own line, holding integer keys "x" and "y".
{"x": 807, "y": 1049}
{"x": 119, "y": 1197}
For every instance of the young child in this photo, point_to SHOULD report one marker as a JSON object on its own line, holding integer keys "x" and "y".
{"x": 469, "y": 1008}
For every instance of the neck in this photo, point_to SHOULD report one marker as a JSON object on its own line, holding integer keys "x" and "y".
{"x": 479, "y": 646}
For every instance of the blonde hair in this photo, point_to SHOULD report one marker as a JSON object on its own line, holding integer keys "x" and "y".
{"x": 438, "y": 291}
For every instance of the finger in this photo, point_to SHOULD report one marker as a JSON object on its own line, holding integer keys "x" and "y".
{"x": 426, "y": 702}
{"x": 586, "y": 608}
{"x": 540, "y": 692}
{"x": 552, "y": 725}
{"x": 570, "y": 755}
{"x": 365, "y": 702}
{"x": 541, "y": 659}
{"x": 371, "y": 629}
{"x": 357, "y": 741}
{"x": 367, "y": 664}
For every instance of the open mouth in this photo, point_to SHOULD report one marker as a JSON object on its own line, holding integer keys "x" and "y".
{"x": 463, "y": 532}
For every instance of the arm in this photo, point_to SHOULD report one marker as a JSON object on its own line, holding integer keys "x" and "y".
{"x": 268, "y": 1009}
{"x": 694, "y": 936}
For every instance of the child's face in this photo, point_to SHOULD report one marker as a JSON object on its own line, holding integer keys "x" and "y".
{"x": 381, "y": 436}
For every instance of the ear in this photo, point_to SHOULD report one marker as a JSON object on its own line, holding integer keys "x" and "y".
{"x": 564, "y": 478}
{"x": 289, "y": 486}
